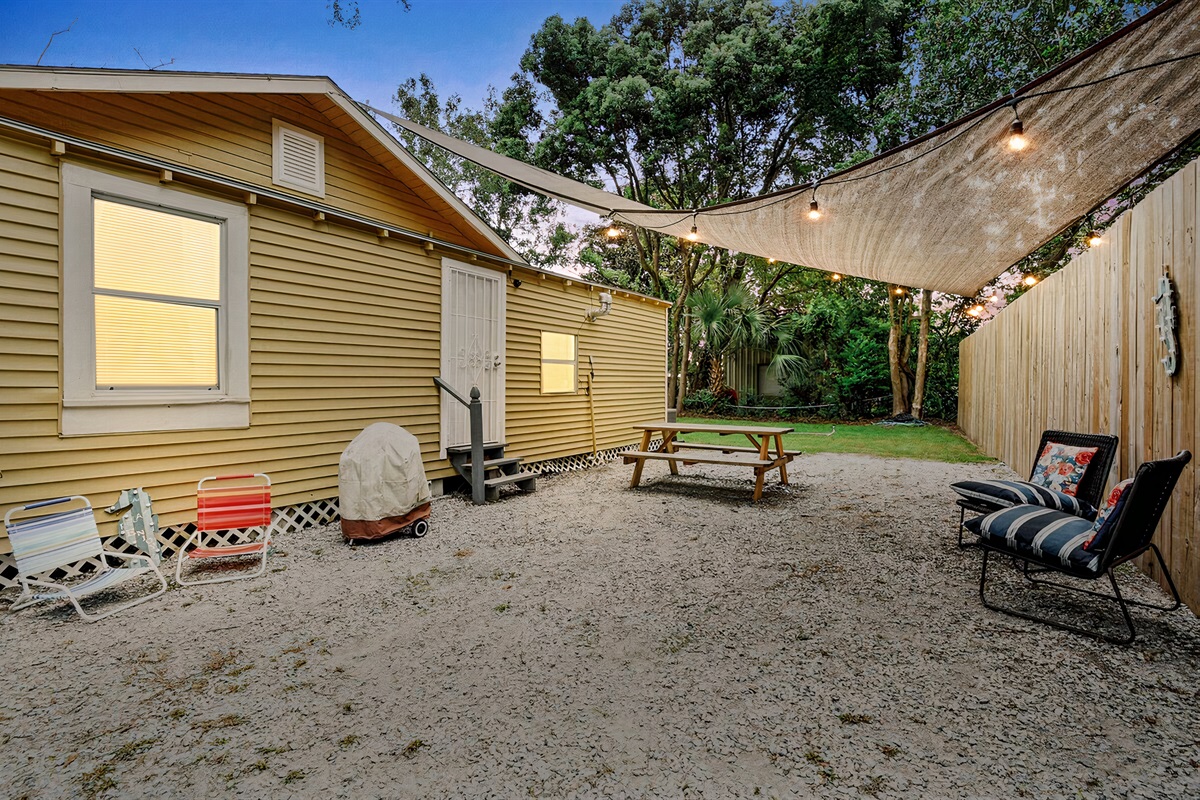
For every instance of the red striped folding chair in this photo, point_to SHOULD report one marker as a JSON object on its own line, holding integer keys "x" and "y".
{"x": 229, "y": 503}
{"x": 64, "y": 537}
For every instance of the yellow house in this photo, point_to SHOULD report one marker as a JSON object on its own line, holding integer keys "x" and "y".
{"x": 205, "y": 273}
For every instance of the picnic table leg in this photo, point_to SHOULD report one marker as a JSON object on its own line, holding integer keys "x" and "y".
{"x": 641, "y": 462}
{"x": 758, "y": 483}
{"x": 782, "y": 463}
{"x": 668, "y": 445}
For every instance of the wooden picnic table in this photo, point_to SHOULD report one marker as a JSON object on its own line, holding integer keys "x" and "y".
{"x": 758, "y": 456}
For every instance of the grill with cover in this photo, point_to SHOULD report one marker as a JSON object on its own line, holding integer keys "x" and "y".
{"x": 382, "y": 486}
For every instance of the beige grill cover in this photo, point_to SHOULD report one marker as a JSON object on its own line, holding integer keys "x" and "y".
{"x": 952, "y": 210}
{"x": 380, "y": 475}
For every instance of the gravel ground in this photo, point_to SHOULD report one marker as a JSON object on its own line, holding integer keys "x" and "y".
{"x": 592, "y": 641}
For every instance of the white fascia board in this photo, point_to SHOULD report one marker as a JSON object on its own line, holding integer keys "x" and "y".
{"x": 372, "y": 126}
{"x": 105, "y": 80}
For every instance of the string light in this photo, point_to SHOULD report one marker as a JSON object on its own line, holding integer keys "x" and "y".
{"x": 835, "y": 277}
{"x": 814, "y": 211}
{"x": 1016, "y": 132}
{"x": 975, "y": 310}
{"x": 899, "y": 290}
{"x": 770, "y": 261}
{"x": 612, "y": 231}
{"x": 1094, "y": 239}
{"x": 692, "y": 235}
{"x": 1030, "y": 280}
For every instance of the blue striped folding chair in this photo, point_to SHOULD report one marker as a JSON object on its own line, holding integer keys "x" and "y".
{"x": 50, "y": 539}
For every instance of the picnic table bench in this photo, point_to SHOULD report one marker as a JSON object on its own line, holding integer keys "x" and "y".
{"x": 758, "y": 456}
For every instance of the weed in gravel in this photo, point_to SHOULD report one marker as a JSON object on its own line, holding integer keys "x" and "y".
{"x": 98, "y": 782}
{"x": 178, "y": 713}
{"x": 300, "y": 662}
{"x": 258, "y": 766}
{"x": 225, "y": 721}
{"x": 500, "y": 609}
{"x": 855, "y": 719}
{"x": 272, "y": 751}
{"x": 889, "y": 750}
{"x": 501, "y": 575}
{"x": 815, "y": 757}
{"x": 463, "y": 553}
{"x": 417, "y": 582}
{"x": 233, "y": 673}
{"x": 128, "y": 751}
{"x": 874, "y": 785}
{"x": 293, "y": 776}
{"x": 410, "y": 750}
{"x": 218, "y": 661}
{"x": 348, "y": 708}
{"x": 677, "y": 642}
{"x": 349, "y": 741}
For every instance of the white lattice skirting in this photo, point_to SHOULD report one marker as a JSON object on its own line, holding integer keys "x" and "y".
{"x": 290, "y": 519}
{"x": 287, "y": 519}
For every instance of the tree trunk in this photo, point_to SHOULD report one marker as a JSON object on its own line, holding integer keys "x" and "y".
{"x": 895, "y": 356}
{"x": 716, "y": 372}
{"x": 918, "y": 406}
{"x": 673, "y": 352}
{"x": 683, "y": 361}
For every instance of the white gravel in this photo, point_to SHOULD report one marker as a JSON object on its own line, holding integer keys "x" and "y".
{"x": 592, "y": 641}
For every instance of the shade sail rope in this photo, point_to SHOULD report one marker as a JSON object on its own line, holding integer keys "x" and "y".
{"x": 964, "y": 208}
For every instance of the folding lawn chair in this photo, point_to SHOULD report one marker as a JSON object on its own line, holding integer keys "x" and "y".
{"x": 226, "y": 503}
{"x": 49, "y": 540}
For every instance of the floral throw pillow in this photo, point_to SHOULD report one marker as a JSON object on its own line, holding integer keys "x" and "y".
{"x": 1106, "y": 519}
{"x": 1061, "y": 467}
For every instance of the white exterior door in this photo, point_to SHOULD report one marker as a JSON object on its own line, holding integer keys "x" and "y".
{"x": 472, "y": 349}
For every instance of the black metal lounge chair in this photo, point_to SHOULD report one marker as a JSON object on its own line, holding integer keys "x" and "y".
{"x": 1091, "y": 485}
{"x": 1046, "y": 540}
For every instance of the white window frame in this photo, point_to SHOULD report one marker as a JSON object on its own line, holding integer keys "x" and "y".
{"x": 88, "y": 410}
{"x": 573, "y": 362}
{"x": 277, "y": 152}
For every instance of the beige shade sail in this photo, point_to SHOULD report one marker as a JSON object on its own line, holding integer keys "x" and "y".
{"x": 955, "y": 208}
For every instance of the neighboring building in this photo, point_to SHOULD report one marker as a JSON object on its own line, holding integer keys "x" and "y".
{"x": 746, "y": 372}
{"x": 204, "y": 273}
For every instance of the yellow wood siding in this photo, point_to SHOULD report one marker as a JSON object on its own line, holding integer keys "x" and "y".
{"x": 345, "y": 331}
{"x": 230, "y": 135}
{"x": 1080, "y": 352}
{"x": 628, "y": 347}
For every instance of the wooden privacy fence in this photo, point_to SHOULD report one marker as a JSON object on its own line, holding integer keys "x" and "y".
{"x": 1081, "y": 352}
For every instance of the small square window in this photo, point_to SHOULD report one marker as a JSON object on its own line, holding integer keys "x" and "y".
{"x": 559, "y": 363}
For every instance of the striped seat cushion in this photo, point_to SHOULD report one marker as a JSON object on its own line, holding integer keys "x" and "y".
{"x": 1003, "y": 494}
{"x": 1043, "y": 533}
{"x": 54, "y": 540}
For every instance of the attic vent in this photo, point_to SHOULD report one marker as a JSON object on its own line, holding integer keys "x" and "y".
{"x": 299, "y": 159}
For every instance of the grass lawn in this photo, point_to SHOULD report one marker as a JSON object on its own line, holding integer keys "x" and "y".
{"x": 929, "y": 443}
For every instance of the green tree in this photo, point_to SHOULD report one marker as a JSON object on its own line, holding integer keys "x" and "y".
{"x": 531, "y": 223}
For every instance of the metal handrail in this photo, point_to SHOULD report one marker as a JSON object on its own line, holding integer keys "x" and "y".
{"x": 475, "y": 412}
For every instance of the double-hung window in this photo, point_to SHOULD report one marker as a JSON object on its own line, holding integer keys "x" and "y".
{"x": 559, "y": 363}
{"x": 156, "y": 314}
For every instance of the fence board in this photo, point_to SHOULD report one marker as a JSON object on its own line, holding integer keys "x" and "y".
{"x": 1081, "y": 352}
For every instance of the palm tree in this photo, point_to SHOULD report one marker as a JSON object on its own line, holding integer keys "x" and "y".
{"x": 731, "y": 319}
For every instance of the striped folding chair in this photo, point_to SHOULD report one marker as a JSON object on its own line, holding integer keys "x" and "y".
{"x": 46, "y": 541}
{"x": 228, "y": 503}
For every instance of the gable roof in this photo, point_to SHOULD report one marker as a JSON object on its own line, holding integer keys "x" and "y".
{"x": 325, "y": 95}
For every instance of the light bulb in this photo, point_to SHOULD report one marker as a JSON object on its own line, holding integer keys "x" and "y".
{"x": 692, "y": 235}
{"x": 1016, "y": 136}
{"x": 770, "y": 261}
{"x": 814, "y": 212}
{"x": 835, "y": 277}
{"x": 612, "y": 232}
{"x": 975, "y": 310}
{"x": 1030, "y": 280}
{"x": 1094, "y": 239}
{"x": 899, "y": 290}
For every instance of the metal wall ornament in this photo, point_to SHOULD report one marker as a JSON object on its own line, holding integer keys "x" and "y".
{"x": 1164, "y": 304}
